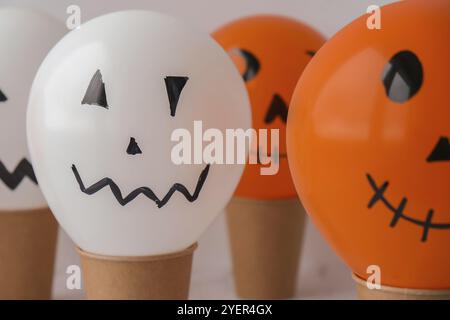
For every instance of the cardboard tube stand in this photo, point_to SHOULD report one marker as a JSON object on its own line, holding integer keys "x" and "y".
{"x": 266, "y": 238}
{"x": 27, "y": 254}
{"x": 160, "y": 277}
{"x": 392, "y": 293}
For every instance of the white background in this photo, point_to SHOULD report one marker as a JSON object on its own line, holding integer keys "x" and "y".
{"x": 322, "y": 274}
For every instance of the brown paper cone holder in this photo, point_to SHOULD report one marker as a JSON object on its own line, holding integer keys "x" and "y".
{"x": 265, "y": 238}
{"x": 393, "y": 293}
{"x": 160, "y": 277}
{"x": 27, "y": 253}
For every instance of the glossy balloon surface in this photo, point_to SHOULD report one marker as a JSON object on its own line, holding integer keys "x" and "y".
{"x": 102, "y": 113}
{"x": 26, "y": 36}
{"x": 368, "y": 143}
{"x": 271, "y": 53}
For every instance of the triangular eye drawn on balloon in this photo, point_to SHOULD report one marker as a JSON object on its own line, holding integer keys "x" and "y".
{"x": 174, "y": 87}
{"x": 252, "y": 64}
{"x": 96, "y": 93}
{"x": 403, "y": 76}
{"x": 3, "y": 98}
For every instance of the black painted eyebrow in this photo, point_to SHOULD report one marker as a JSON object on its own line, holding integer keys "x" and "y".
{"x": 3, "y": 98}
{"x": 96, "y": 93}
{"x": 174, "y": 87}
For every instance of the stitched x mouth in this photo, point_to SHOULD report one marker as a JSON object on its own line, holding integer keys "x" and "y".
{"x": 398, "y": 212}
{"x": 13, "y": 179}
{"x": 142, "y": 190}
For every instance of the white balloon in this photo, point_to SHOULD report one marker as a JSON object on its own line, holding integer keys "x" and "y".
{"x": 26, "y": 37}
{"x": 73, "y": 129}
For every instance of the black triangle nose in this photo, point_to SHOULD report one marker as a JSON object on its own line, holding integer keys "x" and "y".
{"x": 3, "y": 98}
{"x": 133, "y": 147}
{"x": 277, "y": 108}
{"x": 441, "y": 151}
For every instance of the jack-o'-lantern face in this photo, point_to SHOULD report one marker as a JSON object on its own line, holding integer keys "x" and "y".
{"x": 271, "y": 53}
{"x": 368, "y": 140}
{"x": 96, "y": 96}
{"x": 101, "y": 132}
{"x": 26, "y": 36}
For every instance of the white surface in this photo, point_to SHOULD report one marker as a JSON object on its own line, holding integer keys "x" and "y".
{"x": 64, "y": 132}
{"x": 322, "y": 274}
{"x": 26, "y": 37}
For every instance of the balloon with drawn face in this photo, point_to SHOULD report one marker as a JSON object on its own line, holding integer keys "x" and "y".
{"x": 271, "y": 53}
{"x": 26, "y": 36}
{"x": 368, "y": 142}
{"x": 102, "y": 111}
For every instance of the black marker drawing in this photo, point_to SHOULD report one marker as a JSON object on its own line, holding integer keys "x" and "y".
{"x": 311, "y": 53}
{"x": 403, "y": 76}
{"x": 13, "y": 179}
{"x": 277, "y": 108}
{"x": 96, "y": 93}
{"x": 252, "y": 63}
{"x": 142, "y": 190}
{"x": 133, "y": 147}
{"x": 441, "y": 151}
{"x": 398, "y": 212}
{"x": 3, "y": 98}
{"x": 174, "y": 86}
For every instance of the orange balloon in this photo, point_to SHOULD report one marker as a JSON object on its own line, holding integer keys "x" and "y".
{"x": 271, "y": 52}
{"x": 368, "y": 143}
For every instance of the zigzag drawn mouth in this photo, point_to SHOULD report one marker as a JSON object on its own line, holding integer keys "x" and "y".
{"x": 143, "y": 190}
{"x": 13, "y": 179}
{"x": 398, "y": 213}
